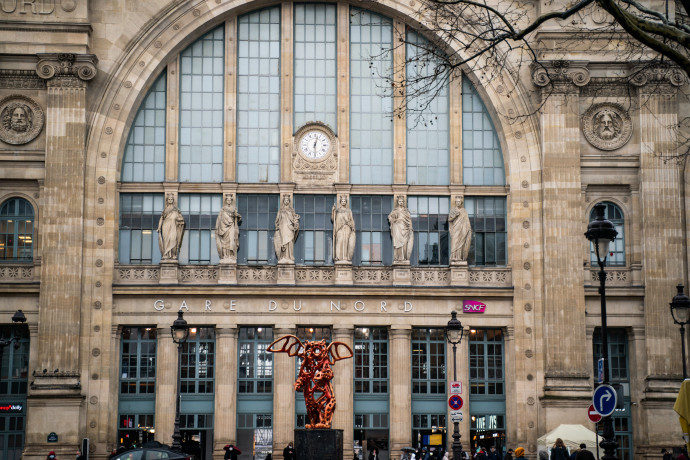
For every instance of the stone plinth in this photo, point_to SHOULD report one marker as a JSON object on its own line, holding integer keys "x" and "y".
{"x": 459, "y": 273}
{"x": 286, "y": 273}
{"x": 402, "y": 276}
{"x": 227, "y": 273}
{"x": 319, "y": 444}
{"x": 343, "y": 273}
{"x": 168, "y": 272}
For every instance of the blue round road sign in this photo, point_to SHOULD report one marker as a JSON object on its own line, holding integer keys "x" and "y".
{"x": 455, "y": 402}
{"x": 604, "y": 400}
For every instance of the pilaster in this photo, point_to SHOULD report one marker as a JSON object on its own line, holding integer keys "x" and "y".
{"x": 166, "y": 384}
{"x": 343, "y": 418}
{"x": 283, "y": 395}
{"x": 401, "y": 388}
{"x": 567, "y": 368}
{"x": 225, "y": 419}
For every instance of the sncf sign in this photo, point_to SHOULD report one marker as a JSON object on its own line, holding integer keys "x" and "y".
{"x": 472, "y": 306}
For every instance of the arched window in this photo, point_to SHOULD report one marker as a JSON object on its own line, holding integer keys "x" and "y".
{"x": 16, "y": 230}
{"x": 616, "y": 256}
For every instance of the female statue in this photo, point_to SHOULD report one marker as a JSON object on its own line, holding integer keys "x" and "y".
{"x": 170, "y": 229}
{"x": 343, "y": 231}
{"x": 286, "y": 231}
{"x": 460, "y": 231}
{"x": 402, "y": 232}
{"x": 227, "y": 231}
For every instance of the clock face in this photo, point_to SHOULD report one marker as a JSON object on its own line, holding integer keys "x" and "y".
{"x": 315, "y": 144}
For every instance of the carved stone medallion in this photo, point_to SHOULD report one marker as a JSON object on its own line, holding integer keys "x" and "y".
{"x": 21, "y": 119}
{"x": 607, "y": 126}
{"x": 314, "y": 154}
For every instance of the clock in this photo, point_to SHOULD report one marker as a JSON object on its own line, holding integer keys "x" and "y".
{"x": 314, "y": 144}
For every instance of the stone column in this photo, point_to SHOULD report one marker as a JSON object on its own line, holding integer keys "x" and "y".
{"x": 62, "y": 237}
{"x": 166, "y": 384}
{"x": 662, "y": 220}
{"x": 225, "y": 419}
{"x": 567, "y": 368}
{"x": 401, "y": 388}
{"x": 343, "y": 371}
{"x": 283, "y": 395}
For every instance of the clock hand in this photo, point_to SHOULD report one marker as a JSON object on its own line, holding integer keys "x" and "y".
{"x": 313, "y": 148}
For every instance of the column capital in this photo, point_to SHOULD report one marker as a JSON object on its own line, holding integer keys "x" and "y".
{"x": 81, "y": 66}
{"x": 657, "y": 74}
{"x": 564, "y": 76}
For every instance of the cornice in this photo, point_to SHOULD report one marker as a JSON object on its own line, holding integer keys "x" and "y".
{"x": 26, "y": 26}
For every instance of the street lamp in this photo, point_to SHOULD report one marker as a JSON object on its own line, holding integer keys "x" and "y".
{"x": 680, "y": 310}
{"x": 601, "y": 232}
{"x": 179, "y": 331}
{"x": 454, "y": 333}
{"x": 18, "y": 317}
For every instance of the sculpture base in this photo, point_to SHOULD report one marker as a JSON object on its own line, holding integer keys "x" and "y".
{"x": 459, "y": 273}
{"x": 319, "y": 444}
{"x": 168, "y": 274}
{"x": 402, "y": 276}
{"x": 286, "y": 273}
{"x": 227, "y": 273}
{"x": 343, "y": 273}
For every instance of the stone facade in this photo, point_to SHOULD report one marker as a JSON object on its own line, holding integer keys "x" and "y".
{"x": 84, "y": 70}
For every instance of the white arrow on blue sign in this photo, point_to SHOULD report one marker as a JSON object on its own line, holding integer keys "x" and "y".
{"x": 604, "y": 400}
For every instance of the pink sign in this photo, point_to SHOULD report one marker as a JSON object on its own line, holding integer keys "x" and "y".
{"x": 472, "y": 306}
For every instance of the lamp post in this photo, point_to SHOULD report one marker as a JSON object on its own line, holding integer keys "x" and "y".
{"x": 601, "y": 232}
{"x": 680, "y": 311}
{"x": 17, "y": 318}
{"x": 179, "y": 331}
{"x": 454, "y": 333}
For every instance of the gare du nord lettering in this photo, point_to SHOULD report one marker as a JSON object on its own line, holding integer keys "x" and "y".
{"x": 381, "y": 306}
{"x": 28, "y": 6}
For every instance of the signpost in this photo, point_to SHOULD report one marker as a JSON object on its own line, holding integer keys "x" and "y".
{"x": 455, "y": 402}
{"x": 593, "y": 415}
{"x": 604, "y": 400}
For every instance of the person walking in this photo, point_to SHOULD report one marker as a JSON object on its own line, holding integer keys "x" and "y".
{"x": 493, "y": 454}
{"x": 559, "y": 451}
{"x": 666, "y": 455}
{"x": 584, "y": 454}
{"x": 289, "y": 452}
{"x": 520, "y": 452}
{"x": 51, "y": 456}
{"x": 374, "y": 454}
{"x": 508, "y": 455}
{"x": 231, "y": 452}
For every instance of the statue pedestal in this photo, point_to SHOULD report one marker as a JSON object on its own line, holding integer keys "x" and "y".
{"x": 168, "y": 272}
{"x": 343, "y": 273}
{"x": 459, "y": 274}
{"x": 321, "y": 444}
{"x": 227, "y": 273}
{"x": 402, "y": 276}
{"x": 286, "y": 273}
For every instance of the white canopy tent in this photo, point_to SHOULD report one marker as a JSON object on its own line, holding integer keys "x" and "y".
{"x": 572, "y": 436}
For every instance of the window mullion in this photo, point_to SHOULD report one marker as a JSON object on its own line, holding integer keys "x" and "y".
{"x": 172, "y": 120}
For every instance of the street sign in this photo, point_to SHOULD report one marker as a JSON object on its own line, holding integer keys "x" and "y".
{"x": 600, "y": 369}
{"x": 456, "y": 387}
{"x": 455, "y": 402}
{"x": 53, "y": 437}
{"x": 593, "y": 415}
{"x": 604, "y": 400}
{"x": 456, "y": 416}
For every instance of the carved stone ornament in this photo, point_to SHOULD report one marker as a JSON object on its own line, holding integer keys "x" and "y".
{"x": 314, "y": 154}
{"x": 21, "y": 119}
{"x": 560, "y": 72}
{"x": 607, "y": 126}
{"x": 658, "y": 74}
{"x": 82, "y": 66}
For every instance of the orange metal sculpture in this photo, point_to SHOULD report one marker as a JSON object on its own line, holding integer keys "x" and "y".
{"x": 315, "y": 374}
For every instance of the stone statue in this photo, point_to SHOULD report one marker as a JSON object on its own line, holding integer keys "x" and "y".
{"x": 170, "y": 229}
{"x": 607, "y": 124}
{"x": 315, "y": 374}
{"x": 402, "y": 233}
{"x": 227, "y": 231}
{"x": 460, "y": 231}
{"x": 19, "y": 119}
{"x": 286, "y": 231}
{"x": 343, "y": 231}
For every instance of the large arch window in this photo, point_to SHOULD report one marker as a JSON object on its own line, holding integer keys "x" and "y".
{"x": 16, "y": 230}
{"x": 616, "y": 257}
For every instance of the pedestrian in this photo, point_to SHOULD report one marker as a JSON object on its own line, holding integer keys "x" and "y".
{"x": 508, "y": 455}
{"x": 51, "y": 455}
{"x": 374, "y": 454}
{"x": 289, "y": 452}
{"x": 666, "y": 455}
{"x": 269, "y": 456}
{"x": 519, "y": 452}
{"x": 231, "y": 452}
{"x": 481, "y": 454}
{"x": 584, "y": 454}
{"x": 493, "y": 454}
{"x": 559, "y": 451}
{"x": 573, "y": 454}
{"x": 113, "y": 453}
{"x": 543, "y": 455}
{"x": 79, "y": 455}
{"x": 683, "y": 455}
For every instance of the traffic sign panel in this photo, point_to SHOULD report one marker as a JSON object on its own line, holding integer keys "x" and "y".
{"x": 456, "y": 416}
{"x": 604, "y": 400}
{"x": 455, "y": 387}
{"x": 593, "y": 415}
{"x": 455, "y": 402}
